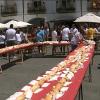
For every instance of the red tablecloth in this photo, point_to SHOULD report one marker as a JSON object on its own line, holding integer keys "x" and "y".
{"x": 76, "y": 80}
{"x": 72, "y": 91}
{"x": 30, "y": 45}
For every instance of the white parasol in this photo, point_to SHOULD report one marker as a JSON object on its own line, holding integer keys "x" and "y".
{"x": 2, "y": 25}
{"x": 90, "y": 17}
{"x": 17, "y": 24}
{"x": 11, "y": 22}
{"x": 23, "y": 24}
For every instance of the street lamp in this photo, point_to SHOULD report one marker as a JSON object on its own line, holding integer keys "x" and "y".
{"x": 23, "y": 8}
{"x": 81, "y": 7}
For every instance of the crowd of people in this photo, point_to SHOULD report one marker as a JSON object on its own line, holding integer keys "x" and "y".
{"x": 75, "y": 34}
{"x": 11, "y": 36}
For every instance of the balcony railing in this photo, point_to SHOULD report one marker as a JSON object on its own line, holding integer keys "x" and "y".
{"x": 65, "y": 10}
{"x": 8, "y": 10}
{"x": 36, "y": 10}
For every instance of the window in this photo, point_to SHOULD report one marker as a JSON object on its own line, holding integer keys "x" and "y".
{"x": 64, "y": 3}
{"x": 63, "y": 6}
{"x": 93, "y": 5}
{"x": 37, "y": 4}
{"x": 36, "y": 7}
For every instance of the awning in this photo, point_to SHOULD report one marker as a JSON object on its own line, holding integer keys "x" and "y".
{"x": 37, "y": 21}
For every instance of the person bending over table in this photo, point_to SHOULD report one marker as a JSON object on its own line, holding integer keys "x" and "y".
{"x": 76, "y": 39}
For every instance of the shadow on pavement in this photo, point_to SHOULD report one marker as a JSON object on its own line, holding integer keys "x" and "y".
{"x": 48, "y": 56}
{"x": 8, "y": 65}
{"x": 98, "y": 66}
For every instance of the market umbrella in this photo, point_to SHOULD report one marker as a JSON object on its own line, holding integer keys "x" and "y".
{"x": 90, "y": 17}
{"x": 23, "y": 24}
{"x": 15, "y": 24}
{"x": 2, "y": 25}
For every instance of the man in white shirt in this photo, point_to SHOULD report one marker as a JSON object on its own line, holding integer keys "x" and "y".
{"x": 54, "y": 38}
{"x": 65, "y": 36}
{"x": 54, "y": 35}
{"x": 11, "y": 36}
{"x": 65, "y": 33}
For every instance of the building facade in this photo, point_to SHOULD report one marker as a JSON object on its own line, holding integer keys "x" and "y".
{"x": 50, "y": 10}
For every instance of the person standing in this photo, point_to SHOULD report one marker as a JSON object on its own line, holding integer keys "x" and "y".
{"x": 65, "y": 33}
{"x": 40, "y": 35}
{"x": 11, "y": 36}
{"x": 65, "y": 36}
{"x": 40, "y": 38}
{"x": 18, "y": 36}
{"x": 2, "y": 39}
{"x": 11, "y": 39}
{"x": 90, "y": 33}
{"x": 54, "y": 35}
{"x": 73, "y": 30}
{"x": 24, "y": 36}
{"x": 54, "y": 38}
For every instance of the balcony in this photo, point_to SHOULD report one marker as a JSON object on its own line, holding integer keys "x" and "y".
{"x": 65, "y": 10}
{"x": 8, "y": 10}
{"x": 36, "y": 10}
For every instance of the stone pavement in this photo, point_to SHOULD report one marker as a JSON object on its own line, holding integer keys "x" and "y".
{"x": 18, "y": 75}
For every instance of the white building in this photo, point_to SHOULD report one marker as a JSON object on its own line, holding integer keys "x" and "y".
{"x": 50, "y": 10}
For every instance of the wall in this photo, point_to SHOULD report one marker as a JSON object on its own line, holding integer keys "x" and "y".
{"x": 51, "y": 14}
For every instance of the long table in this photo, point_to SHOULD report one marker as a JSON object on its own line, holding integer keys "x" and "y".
{"x": 72, "y": 91}
{"x": 21, "y": 48}
{"x": 69, "y": 73}
{"x": 55, "y": 45}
